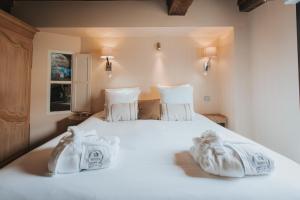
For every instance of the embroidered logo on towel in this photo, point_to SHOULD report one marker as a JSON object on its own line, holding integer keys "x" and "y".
{"x": 94, "y": 157}
{"x": 261, "y": 164}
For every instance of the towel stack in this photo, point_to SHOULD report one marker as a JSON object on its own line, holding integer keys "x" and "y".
{"x": 231, "y": 159}
{"x": 83, "y": 151}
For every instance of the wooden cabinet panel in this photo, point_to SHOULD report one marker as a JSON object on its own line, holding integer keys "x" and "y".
{"x": 14, "y": 139}
{"x": 14, "y": 92}
{"x": 15, "y": 70}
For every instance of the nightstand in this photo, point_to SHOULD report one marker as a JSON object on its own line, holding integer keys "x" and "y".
{"x": 218, "y": 118}
{"x": 72, "y": 120}
{"x": 76, "y": 119}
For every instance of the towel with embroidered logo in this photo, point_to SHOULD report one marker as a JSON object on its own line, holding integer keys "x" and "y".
{"x": 231, "y": 159}
{"x": 81, "y": 150}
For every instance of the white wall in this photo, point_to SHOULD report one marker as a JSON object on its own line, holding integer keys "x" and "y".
{"x": 225, "y": 76}
{"x": 138, "y": 63}
{"x": 42, "y": 124}
{"x": 274, "y": 78}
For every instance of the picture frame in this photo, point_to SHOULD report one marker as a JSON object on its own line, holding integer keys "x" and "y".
{"x": 60, "y": 82}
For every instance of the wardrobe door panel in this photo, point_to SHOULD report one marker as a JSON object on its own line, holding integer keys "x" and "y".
{"x": 15, "y": 66}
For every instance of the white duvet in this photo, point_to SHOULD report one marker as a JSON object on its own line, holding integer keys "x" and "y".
{"x": 154, "y": 163}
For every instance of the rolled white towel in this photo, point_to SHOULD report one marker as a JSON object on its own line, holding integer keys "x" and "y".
{"x": 231, "y": 159}
{"x": 255, "y": 161}
{"x": 82, "y": 151}
{"x": 76, "y": 134}
{"x": 99, "y": 153}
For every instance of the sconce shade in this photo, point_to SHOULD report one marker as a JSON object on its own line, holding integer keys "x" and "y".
{"x": 210, "y": 52}
{"x": 107, "y": 52}
{"x": 158, "y": 46}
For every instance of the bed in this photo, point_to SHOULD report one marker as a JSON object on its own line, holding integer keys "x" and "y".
{"x": 153, "y": 163}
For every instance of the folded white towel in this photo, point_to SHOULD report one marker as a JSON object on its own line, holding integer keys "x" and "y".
{"x": 232, "y": 159}
{"x": 83, "y": 151}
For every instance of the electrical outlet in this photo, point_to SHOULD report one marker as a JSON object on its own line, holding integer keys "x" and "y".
{"x": 206, "y": 98}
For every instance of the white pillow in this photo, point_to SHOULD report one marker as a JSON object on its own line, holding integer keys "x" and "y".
{"x": 176, "y": 112}
{"x": 121, "y": 95}
{"x": 182, "y": 94}
{"x": 115, "y": 101}
{"x": 122, "y": 112}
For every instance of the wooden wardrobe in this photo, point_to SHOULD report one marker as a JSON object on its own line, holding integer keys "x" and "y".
{"x": 15, "y": 70}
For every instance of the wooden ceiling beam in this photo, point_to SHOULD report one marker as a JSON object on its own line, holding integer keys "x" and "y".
{"x": 175, "y": 7}
{"x": 178, "y": 7}
{"x": 6, "y": 5}
{"x": 248, "y": 5}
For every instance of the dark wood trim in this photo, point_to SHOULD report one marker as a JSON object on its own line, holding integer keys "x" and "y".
{"x": 6, "y": 5}
{"x": 248, "y": 5}
{"x": 41, "y": 142}
{"x": 298, "y": 41}
{"x": 12, "y": 158}
{"x": 178, "y": 7}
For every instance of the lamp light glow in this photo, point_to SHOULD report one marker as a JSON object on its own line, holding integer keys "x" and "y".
{"x": 210, "y": 52}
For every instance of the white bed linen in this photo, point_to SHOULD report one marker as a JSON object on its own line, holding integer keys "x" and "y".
{"x": 154, "y": 163}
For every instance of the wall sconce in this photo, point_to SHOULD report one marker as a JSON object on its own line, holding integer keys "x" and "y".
{"x": 107, "y": 55}
{"x": 209, "y": 53}
{"x": 158, "y": 46}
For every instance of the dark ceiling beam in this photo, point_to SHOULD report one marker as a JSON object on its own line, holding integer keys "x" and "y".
{"x": 6, "y": 5}
{"x": 248, "y": 5}
{"x": 178, "y": 7}
{"x": 175, "y": 7}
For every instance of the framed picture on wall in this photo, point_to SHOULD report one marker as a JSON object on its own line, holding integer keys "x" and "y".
{"x": 60, "y": 81}
{"x": 61, "y": 66}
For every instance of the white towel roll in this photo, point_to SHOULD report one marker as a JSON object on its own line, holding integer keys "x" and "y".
{"x": 231, "y": 159}
{"x": 82, "y": 151}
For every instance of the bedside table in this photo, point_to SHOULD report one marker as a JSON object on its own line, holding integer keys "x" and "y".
{"x": 218, "y": 118}
{"x": 76, "y": 119}
{"x": 72, "y": 120}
